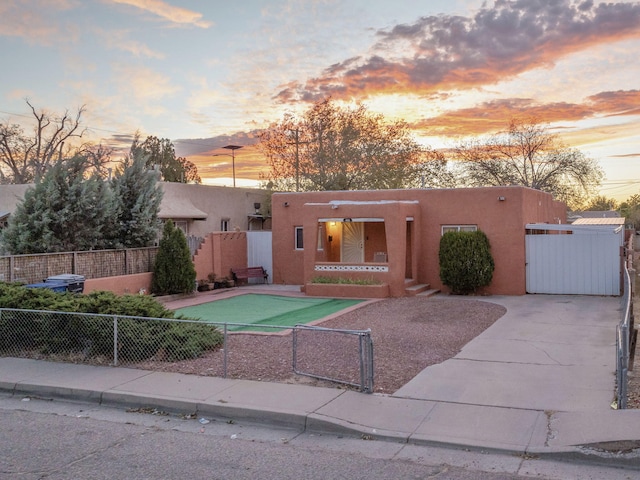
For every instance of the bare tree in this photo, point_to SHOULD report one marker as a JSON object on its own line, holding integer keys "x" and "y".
{"x": 98, "y": 158}
{"x": 528, "y": 154}
{"x": 25, "y": 158}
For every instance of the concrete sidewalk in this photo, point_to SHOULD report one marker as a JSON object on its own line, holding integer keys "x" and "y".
{"x": 538, "y": 381}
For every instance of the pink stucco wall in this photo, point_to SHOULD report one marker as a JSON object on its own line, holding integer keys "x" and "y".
{"x": 502, "y": 220}
{"x": 219, "y": 253}
{"x": 121, "y": 284}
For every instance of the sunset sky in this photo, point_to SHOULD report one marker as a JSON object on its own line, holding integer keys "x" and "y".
{"x": 206, "y": 74}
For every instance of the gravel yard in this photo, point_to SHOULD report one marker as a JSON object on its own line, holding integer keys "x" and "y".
{"x": 409, "y": 334}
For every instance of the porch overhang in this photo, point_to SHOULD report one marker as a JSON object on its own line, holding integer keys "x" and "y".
{"x": 182, "y": 209}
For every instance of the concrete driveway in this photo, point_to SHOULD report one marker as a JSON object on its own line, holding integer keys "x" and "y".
{"x": 549, "y": 352}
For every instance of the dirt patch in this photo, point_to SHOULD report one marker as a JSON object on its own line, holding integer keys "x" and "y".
{"x": 409, "y": 334}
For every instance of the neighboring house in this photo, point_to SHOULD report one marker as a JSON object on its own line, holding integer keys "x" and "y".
{"x": 202, "y": 209}
{"x": 593, "y": 214}
{"x": 196, "y": 209}
{"x": 10, "y": 195}
{"x": 604, "y": 221}
{"x": 393, "y": 236}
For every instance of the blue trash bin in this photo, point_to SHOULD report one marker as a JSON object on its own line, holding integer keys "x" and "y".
{"x": 56, "y": 287}
{"x": 66, "y": 282}
{"x": 72, "y": 283}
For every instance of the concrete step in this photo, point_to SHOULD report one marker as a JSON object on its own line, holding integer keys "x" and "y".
{"x": 415, "y": 289}
{"x": 428, "y": 293}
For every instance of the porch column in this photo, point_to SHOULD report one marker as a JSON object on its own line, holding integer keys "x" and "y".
{"x": 396, "y": 233}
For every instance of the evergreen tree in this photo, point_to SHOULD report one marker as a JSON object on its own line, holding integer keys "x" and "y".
{"x": 66, "y": 211}
{"x": 137, "y": 197}
{"x": 173, "y": 270}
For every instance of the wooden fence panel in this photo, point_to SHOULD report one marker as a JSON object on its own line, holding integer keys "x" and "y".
{"x": 91, "y": 264}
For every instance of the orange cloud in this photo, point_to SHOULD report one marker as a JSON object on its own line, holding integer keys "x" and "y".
{"x": 120, "y": 40}
{"x": 439, "y": 53}
{"x": 217, "y": 162}
{"x": 621, "y": 102}
{"x": 168, "y": 12}
{"x": 33, "y": 23}
{"x": 492, "y": 116}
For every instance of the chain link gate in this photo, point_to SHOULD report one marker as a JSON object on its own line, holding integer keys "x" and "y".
{"x": 311, "y": 344}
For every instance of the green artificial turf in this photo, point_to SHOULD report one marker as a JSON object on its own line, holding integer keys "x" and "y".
{"x": 258, "y": 309}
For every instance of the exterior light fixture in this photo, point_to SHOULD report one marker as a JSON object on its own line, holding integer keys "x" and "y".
{"x": 233, "y": 149}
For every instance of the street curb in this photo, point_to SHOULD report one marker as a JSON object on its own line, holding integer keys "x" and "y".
{"x": 315, "y": 423}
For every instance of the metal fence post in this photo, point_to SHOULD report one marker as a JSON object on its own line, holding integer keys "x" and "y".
{"x": 225, "y": 347}
{"x": 366, "y": 362}
{"x": 370, "y": 360}
{"x": 294, "y": 349}
{"x": 115, "y": 341}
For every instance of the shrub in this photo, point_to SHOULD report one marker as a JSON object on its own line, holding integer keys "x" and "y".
{"x": 139, "y": 339}
{"x": 173, "y": 271}
{"x": 466, "y": 263}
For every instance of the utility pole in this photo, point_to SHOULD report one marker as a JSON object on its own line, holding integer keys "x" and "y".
{"x": 297, "y": 161}
{"x": 297, "y": 143}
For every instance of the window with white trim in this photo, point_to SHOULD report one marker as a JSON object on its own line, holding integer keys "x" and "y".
{"x": 298, "y": 238}
{"x": 182, "y": 225}
{"x": 224, "y": 224}
{"x": 459, "y": 228}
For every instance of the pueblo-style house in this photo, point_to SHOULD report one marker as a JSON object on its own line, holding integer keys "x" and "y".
{"x": 391, "y": 238}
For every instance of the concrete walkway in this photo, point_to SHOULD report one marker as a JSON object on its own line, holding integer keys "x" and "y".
{"x": 540, "y": 380}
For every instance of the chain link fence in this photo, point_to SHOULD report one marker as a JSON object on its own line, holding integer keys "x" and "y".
{"x": 190, "y": 346}
{"x": 626, "y": 335}
{"x": 319, "y": 352}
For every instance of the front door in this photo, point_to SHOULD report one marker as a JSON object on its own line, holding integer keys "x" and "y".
{"x": 352, "y": 242}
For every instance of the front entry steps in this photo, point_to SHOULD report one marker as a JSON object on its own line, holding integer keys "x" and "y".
{"x": 423, "y": 289}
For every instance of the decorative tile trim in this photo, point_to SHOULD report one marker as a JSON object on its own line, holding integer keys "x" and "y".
{"x": 351, "y": 268}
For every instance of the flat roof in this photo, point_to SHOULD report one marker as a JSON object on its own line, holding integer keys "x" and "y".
{"x": 600, "y": 221}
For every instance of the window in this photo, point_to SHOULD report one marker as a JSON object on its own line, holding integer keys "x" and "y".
{"x": 182, "y": 225}
{"x": 224, "y": 225}
{"x": 459, "y": 228}
{"x": 298, "y": 240}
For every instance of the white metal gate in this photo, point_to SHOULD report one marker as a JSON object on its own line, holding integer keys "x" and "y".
{"x": 584, "y": 262}
{"x": 259, "y": 253}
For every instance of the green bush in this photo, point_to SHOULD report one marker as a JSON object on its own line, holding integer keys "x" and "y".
{"x": 138, "y": 338}
{"x": 466, "y": 263}
{"x": 173, "y": 270}
{"x": 189, "y": 340}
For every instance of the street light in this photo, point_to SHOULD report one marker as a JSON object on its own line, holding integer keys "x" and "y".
{"x": 233, "y": 149}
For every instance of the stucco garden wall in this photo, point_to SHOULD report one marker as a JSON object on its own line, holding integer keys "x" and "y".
{"x": 138, "y": 283}
{"x": 219, "y": 253}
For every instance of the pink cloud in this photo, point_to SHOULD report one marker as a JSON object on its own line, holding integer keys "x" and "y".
{"x": 457, "y": 53}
